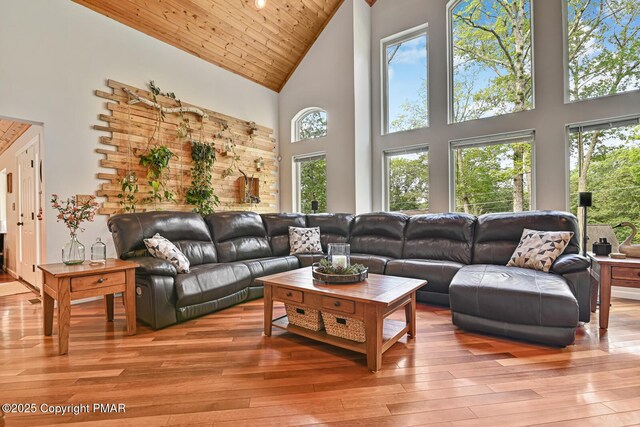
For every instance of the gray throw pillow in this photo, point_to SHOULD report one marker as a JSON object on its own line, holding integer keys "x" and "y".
{"x": 538, "y": 250}
{"x": 304, "y": 240}
{"x": 162, "y": 248}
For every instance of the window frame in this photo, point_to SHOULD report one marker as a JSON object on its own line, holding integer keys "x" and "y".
{"x": 392, "y": 152}
{"x": 396, "y": 38}
{"x": 295, "y": 123}
{"x": 565, "y": 65}
{"x": 494, "y": 139}
{"x": 449, "y": 28}
{"x": 586, "y": 126}
{"x": 295, "y": 169}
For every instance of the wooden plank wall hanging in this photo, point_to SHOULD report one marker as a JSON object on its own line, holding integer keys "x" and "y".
{"x": 132, "y": 125}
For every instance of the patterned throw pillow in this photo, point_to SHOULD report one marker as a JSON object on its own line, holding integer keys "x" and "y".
{"x": 305, "y": 240}
{"x": 160, "y": 247}
{"x": 539, "y": 249}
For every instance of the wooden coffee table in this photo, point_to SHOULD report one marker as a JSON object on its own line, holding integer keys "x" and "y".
{"x": 370, "y": 301}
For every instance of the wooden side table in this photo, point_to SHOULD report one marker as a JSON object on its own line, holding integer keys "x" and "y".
{"x": 63, "y": 283}
{"x": 608, "y": 272}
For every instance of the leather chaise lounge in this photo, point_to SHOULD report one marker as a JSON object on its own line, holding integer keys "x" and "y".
{"x": 462, "y": 257}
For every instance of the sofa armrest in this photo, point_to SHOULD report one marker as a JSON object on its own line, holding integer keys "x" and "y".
{"x": 150, "y": 266}
{"x": 570, "y": 263}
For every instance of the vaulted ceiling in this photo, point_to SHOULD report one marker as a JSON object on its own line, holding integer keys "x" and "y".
{"x": 9, "y": 132}
{"x": 263, "y": 45}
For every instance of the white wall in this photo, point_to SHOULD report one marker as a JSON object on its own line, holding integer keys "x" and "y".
{"x": 549, "y": 118}
{"x": 335, "y": 69}
{"x": 56, "y": 53}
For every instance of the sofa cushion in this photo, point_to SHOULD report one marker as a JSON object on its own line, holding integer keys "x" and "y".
{"x": 306, "y": 260}
{"x": 498, "y": 235}
{"x": 375, "y": 263}
{"x": 538, "y": 250}
{"x": 440, "y": 237}
{"x": 186, "y": 230}
{"x": 209, "y": 282}
{"x": 277, "y": 228}
{"x": 238, "y": 236}
{"x": 513, "y": 295}
{"x": 266, "y": 266}
{"x": 334, "y": 228}
{"x": 438, "y": 274}
{"x": 378, "y": 234}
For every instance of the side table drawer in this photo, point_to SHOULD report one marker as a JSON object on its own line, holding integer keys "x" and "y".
{"x": 625, "y": 273}
{"x": 337, "y": 304}
{"x": 289, "y": 295}
{"x": 94, "y": 281}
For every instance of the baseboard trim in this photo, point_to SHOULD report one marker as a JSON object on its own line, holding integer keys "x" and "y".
{"x": 11, "y": 273}
{"x": 627, "y": 293}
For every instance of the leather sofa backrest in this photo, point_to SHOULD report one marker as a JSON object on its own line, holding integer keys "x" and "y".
{"x": 379, "y": 233}
{"x": 186, "y": 230}
{"x": 277, "y": 227}
{"x": 497, "y": 235}
{"x": 238, "y": 235}
{"x": 446, "y": 236}
{"x": 334, "y": 228}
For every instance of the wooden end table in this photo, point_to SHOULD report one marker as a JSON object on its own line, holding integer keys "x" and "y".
{"x": 63, "y": 283}
{"x": 608, "y": 272}
{"x": 370, "y": 301}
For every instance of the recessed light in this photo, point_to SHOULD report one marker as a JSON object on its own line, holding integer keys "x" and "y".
{"x": 260, "y": 4}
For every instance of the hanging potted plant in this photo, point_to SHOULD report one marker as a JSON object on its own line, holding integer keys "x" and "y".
{"x": 156, "y": 160}
{"x": 73, "y": 213}
{"x": 201, "y": 193}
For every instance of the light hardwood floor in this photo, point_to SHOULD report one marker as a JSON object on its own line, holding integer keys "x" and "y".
{"x": 220, "y": 370}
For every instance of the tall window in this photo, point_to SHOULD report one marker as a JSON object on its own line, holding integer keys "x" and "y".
{"x": 605, "y": 159}
{"x": 310, "y": 179}
{"x": 493, "y": 174}
{"x": 407, "y": 179}
{"x": 405, "y": 83}
{"x": 308, "y": 124}
{"x": 490, "y": 54}
{"x": 602, "y": 47}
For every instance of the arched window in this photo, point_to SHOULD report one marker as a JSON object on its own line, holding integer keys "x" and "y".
{"x": 308, "y": 124}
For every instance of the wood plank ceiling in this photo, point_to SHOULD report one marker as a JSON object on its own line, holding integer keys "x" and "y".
{"x": 10, "y": 131}
{"x": 263, "y": 45}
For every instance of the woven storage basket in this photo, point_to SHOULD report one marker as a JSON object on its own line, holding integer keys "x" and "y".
{"x": 344, "y": 327}
{"x": 304, "y": 317}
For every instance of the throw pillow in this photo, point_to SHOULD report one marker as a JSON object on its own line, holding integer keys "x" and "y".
{"x": 162, "y": 248}
{"x": 538, "y": 250}
{"x": 305, "y": 240}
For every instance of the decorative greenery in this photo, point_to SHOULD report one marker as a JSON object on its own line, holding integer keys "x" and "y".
{"x": 326, "y": 267}
{"x": 201, "y": 193}
{"x": 73, "y": 213}
{"x": 129, "y": 189}
{"x": 156, "y": 160}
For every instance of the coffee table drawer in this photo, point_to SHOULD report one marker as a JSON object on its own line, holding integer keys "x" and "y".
{"x": 338, "y": 304}
{"x": 625, "y": 273}
{"x": 289, "y": 295}
{"x": 94, "y": 281}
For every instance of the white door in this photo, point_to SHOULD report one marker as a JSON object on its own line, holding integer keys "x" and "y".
{"x": 27, "y": 214}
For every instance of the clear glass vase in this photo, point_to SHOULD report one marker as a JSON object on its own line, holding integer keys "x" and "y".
{"x": 340, "y": 255}
{"x": 73, "y": 251}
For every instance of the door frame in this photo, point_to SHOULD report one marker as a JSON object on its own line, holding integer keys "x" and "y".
{"x": 38, "y": 191}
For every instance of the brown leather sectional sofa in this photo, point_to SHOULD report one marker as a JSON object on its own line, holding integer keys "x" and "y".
{"x": 463, "y": 258}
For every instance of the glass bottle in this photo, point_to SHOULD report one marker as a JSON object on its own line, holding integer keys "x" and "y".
{"x": 73, "y": 251}
{"x": 98, "y": 252}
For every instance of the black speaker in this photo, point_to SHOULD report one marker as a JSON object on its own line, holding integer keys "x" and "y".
{"x": 584, "y": 199}
{"x": 314, "y": 206}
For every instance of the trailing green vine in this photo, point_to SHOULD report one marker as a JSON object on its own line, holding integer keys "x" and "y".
{"x": 156, "y": 160}
{"x": 129, "y": 189}
{"x": 201, "y": 193}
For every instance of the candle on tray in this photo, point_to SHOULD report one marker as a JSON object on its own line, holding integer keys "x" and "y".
{"x": 339, "y": 261}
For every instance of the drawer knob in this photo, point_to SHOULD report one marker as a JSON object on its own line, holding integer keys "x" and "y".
{"x": 337, "y": 303}
{"x": 288, "y": 294}
{"x": 100, "y": 280}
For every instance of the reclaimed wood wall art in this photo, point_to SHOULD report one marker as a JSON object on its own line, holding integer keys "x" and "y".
{"x": 241, "y": 146}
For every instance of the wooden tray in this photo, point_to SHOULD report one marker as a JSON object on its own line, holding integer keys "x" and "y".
{"x": 338, "y": 279}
